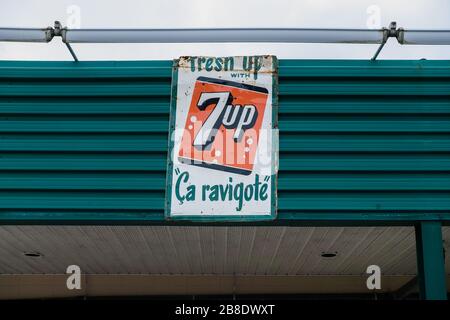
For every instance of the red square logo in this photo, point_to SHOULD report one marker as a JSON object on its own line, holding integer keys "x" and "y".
{"x": 223, "y": 125}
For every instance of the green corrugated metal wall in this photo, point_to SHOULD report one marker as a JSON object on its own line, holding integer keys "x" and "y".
{"x": 359, "y": 140}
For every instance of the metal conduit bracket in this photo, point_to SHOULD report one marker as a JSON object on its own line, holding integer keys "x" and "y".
{"x": 49, "y": 34}
{"x": 401, "y": 35}
{"x": 391, "y": 32}
{"x": 60, "y": 31}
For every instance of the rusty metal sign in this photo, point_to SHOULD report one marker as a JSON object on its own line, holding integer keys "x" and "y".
{"x": 223, "y": 144}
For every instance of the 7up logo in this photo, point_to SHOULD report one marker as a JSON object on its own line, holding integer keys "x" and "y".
{"x": 222, "y": 126}
{"x": 224, "y": 114}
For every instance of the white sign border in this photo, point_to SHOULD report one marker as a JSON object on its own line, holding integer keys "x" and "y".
{"x": 171, "y": 144}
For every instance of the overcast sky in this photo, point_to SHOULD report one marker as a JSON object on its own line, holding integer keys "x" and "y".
{"x": 409, "y": 14}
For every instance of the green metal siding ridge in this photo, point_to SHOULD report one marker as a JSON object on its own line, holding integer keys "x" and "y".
{"x": 360, "y": 141}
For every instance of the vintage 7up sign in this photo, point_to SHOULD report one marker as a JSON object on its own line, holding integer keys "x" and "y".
{"x": 223, "y": 144}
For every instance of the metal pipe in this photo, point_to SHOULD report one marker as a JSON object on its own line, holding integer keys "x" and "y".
{"x": 26, "y": 34}
{"x": 223, "y": 35}
{"x": 426, "y": 37}
{"x": 280, "y": 35}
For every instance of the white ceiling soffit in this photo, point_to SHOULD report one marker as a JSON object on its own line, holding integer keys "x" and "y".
{"x": 208, "y": 250}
